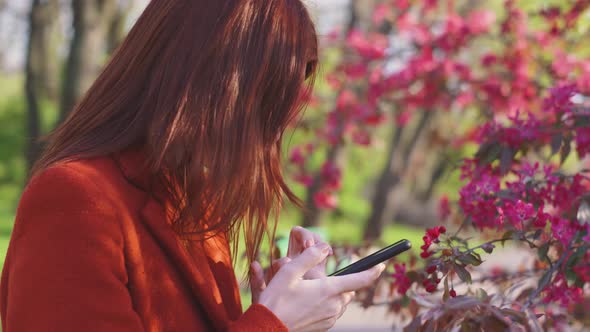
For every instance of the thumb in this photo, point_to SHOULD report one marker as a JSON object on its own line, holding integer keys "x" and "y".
{"x": 257, "y": 283}
{"x": 307, "y": 260}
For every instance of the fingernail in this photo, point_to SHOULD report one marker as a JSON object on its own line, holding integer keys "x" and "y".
{"x": 381, "y": 268}
{"x": 324, "y": 248}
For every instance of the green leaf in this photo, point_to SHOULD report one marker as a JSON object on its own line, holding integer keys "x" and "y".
{"x": 488, "y": 152}
{"x": 413, "y": 276}
{"x": 509, "y": 235}
{"x": 463, "y": 274}
{"x": 405, "y": 301}
{"x": 506, "y": 159}
{"x": 566, "y": 150}
{"x": 574, "y": 258}
{"x": 492, "y": 323}
{"x": 570, "y": 275}
{"x": 556, "y": 143}
{"x": 517, "y": 316}
{"x": 537, "y": 234}
{"x": 542, "y": 252}
{"x": 470, "y": 259}
{"x": 481, "y": 294}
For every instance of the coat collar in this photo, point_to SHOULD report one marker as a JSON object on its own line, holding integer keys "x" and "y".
{"x": 214, "y": 270}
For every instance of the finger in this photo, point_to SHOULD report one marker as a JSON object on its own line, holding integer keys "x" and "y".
{"x": 299, "y": 240}
{"x": 318, "y": 239}
{"x": 257, "y": 283}
{"x": 347, "y": 298}
{"x": 279, "y": 263}
{"x": 275, "y": 267}
{"x": 356, "y": 281}
{"x": 306, "y": 261}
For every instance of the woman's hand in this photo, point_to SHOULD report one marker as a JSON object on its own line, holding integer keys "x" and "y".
{"x": 301, "y": 239}
{"x": 311, "y": 305}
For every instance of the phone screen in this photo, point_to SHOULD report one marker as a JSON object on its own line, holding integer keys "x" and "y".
{"x": 375, "y": 258}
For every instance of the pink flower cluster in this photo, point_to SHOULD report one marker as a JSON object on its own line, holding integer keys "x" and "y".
{"x": 400, "y": 279}
{"x": 559, "y": 292}
{"x": 432, "y": 235}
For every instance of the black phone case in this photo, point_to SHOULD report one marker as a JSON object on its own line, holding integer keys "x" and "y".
{"x": 375, "y": 258}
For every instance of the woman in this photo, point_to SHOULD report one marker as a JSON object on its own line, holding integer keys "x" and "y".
{"x": 126, "y": 223}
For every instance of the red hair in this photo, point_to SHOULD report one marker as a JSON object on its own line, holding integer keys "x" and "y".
{"x": 207, "y": 89}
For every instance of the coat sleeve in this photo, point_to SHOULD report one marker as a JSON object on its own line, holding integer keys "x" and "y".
{"x": 65, "y": 268}
{"x": 258, "y": 318}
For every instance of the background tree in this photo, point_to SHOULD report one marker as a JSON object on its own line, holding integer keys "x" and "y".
{"x": 41, "y": 68}
{"x": 93, "y": 22}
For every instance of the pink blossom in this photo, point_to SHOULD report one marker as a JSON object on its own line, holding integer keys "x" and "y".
{"x": 444, "y": 209}
{"x": 356, "y": 71}
{"x": 331, "y": 176}
{"x": 431, "y": 236}
{"x": 304, "y": 179}
{"x": 489, "y": 59}
{"x": 565, "y": 192}
{"x": 374, "y": 119}
{"x": 346, "y": 99}
{"x": 541, "y": 219}
{"x": 325, "y": 200}
{"x": 559, "y": 292}
{"x": 563, "y": 230}
{"x": 519, "y": 213}
{"x": 380, "y": 13}
{"x": 429, "y": 4}
{"x": 582, "y": 141}
{"x": 477, "y": 200}
{"x": 403, "y": 118}
{"x": 480, "y": 21}
{"x": 400, "y": 280}
{"x": 297, "y": 156}
{"x": 559, "y": 100}
{"x": 401, "y": 4}
{"x": 371, "y": 47}
{"x": 333, "y": 81}
{"x": 361, "y": 137}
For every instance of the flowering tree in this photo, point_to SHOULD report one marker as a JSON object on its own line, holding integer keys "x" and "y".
{"x": 515, "y": 84}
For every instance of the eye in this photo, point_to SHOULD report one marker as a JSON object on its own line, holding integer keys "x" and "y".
{"x": 309, "y": 69}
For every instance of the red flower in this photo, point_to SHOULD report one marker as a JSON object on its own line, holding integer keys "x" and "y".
{"x": 444, "y": 209}
{"x": 331, "y": 176}
{"x": 431, "y": 236}
{"x": 431, "y": 269}
{"x": 401, "y": 280}
{"x": 297, "y": 156}
{"x": 324, "y": 200}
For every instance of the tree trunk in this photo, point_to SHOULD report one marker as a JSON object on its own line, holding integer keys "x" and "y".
{"x": 387, "y": 180}
{"x": 116, "y": 26}
{"x": 381, "y": 209}
{"x": 37, "y": 70}
{"x": 312, "y": 215}
{"x": 436, "y": 174}
{"x": 91, "y": 20}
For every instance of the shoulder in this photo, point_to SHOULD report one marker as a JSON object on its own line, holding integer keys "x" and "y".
{"x": 76, "y": 190}
{"x": 76, "y": 181}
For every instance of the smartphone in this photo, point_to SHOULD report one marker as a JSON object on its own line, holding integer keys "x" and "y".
{"x": 374, "y": 259}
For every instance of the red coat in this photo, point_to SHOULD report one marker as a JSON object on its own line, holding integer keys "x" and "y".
{"x": 90, "y": 251}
